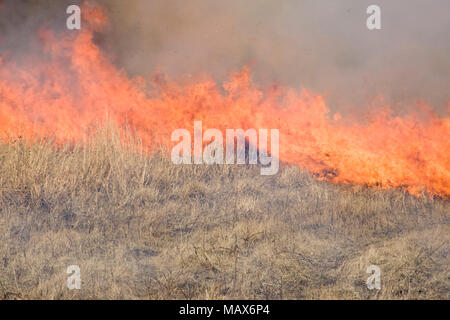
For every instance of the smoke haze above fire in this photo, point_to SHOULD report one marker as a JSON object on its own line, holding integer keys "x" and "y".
{"x": 320, "y": 45}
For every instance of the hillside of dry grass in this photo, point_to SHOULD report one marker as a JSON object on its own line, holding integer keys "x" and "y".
{"x": 140, "y": 227}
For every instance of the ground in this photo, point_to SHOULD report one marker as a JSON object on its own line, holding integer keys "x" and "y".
{"x": 140, "y": 227}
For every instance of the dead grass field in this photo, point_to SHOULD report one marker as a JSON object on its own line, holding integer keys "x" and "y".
{"x": 140, "y": 227}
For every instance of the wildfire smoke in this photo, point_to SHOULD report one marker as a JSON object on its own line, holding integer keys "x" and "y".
{"x": 71, "y": 85}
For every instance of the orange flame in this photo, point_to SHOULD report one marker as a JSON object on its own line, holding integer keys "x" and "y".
{"x": 70, "y": 85}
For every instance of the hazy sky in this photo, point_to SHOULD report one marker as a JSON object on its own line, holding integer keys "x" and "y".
{"x": 318, "y": 44}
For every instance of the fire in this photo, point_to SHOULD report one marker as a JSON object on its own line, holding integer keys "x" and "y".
{"x": 71, "y": 85}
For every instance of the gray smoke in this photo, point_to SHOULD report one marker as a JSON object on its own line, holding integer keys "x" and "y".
{"x": 321, "y": 45}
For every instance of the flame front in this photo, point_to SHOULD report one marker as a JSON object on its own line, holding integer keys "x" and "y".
{"x": 71, "y": 85}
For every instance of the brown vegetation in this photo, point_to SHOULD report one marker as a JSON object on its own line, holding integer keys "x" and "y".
{"x": 140, "y": 227}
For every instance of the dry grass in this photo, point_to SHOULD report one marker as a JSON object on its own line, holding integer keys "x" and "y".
{"x": 140, "y": 227}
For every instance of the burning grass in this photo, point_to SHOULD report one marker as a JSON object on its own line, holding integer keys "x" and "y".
{"x": 140, "y": 227}
{"x": 67, "y": 84}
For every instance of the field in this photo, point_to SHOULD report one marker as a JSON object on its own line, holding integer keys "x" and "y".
{"x": 141, "y": 227}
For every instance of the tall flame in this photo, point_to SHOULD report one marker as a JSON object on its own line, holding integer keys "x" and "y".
{"x": 71, "y": 85}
